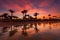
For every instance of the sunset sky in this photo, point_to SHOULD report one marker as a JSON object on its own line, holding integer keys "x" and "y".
{"x": 43, "y": 7}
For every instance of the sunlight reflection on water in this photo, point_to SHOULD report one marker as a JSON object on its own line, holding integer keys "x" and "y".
{"x": 30, "y": 31}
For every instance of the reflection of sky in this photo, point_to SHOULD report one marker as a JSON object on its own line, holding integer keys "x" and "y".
{"x": 43, "y": 7}
{"x": 44, "y": 33}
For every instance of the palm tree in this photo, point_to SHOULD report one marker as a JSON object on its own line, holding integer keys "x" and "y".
{"x": 36, "y": 15}
{"x": 43, "y": 17}
{"x": 11, "y": 11}
{"x": 5, "y": 15}
{"x": 55, "y": 17}
{"x": 59, "y": 17}
{"x": 1, "y": 16}
{"x": 15, "y": 17}
{"x": 24, "y": 12}
{"x": 49, "y": 16}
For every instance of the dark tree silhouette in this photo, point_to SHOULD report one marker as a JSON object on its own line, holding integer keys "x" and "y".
{"x": 11, "y": 11}
{"x": 36, "y": 28}
{"x": 15, "y": 17}
{"x": 24, "y": 12}
{"x": 36, "y": 15}
{"x": 59, "y": 17}
{"x": 49, "y": 16}
{"x": 1, "y": 16}
{"x": 55, "y": 17}
{"x": 43, "y": 17}
{"x": 5, "y": 15}
{"x": 12, "y": 32}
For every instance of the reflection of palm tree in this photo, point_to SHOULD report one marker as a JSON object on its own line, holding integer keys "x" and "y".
{"x": 49, "y": 16}
{"x": 12, "y": 32}
{"x": 31, "y": 25}
{"x": 36, "y": 15}
{"x": 11, "y": 11}
{"x": 24, "y": 33}
{"x": 36, "y": 29}
{"x": 24, "y": 27}
{"x": 50, "y": 26}
{"x": 24, "y": 30}
{"x": 4, "y": 29}
{"x": 24, "y": 12}
{"x": 44, "y": 25}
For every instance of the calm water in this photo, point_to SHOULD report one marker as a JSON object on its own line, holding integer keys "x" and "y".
{"x": 29, "y": 31}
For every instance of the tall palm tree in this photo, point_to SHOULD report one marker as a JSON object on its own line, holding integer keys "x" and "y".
{"x": 24, "y": 12}
{"x": 36, "y": 15}
{"x": 49, "y": 16}
{"x": 11, "y": 11}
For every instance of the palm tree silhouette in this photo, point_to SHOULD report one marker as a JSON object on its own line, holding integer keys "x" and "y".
{"x": 11, "y": 11}
{"x": 55, "y": 17}
{"x": 15, "y": 17}
{"x": 49, "y": 16}
{"x": 24, "y": 12}
{"x": 43, "y": 17}
{"x": 5, "y": 15}
{"x": 1, "y": 16}
{"x": 59, "y": 17}
{"x": 36, "y": 28}
{"x": 36, "y": 15}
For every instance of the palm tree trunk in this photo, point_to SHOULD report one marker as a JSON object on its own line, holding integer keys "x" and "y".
{"x": 11, "y": 21}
